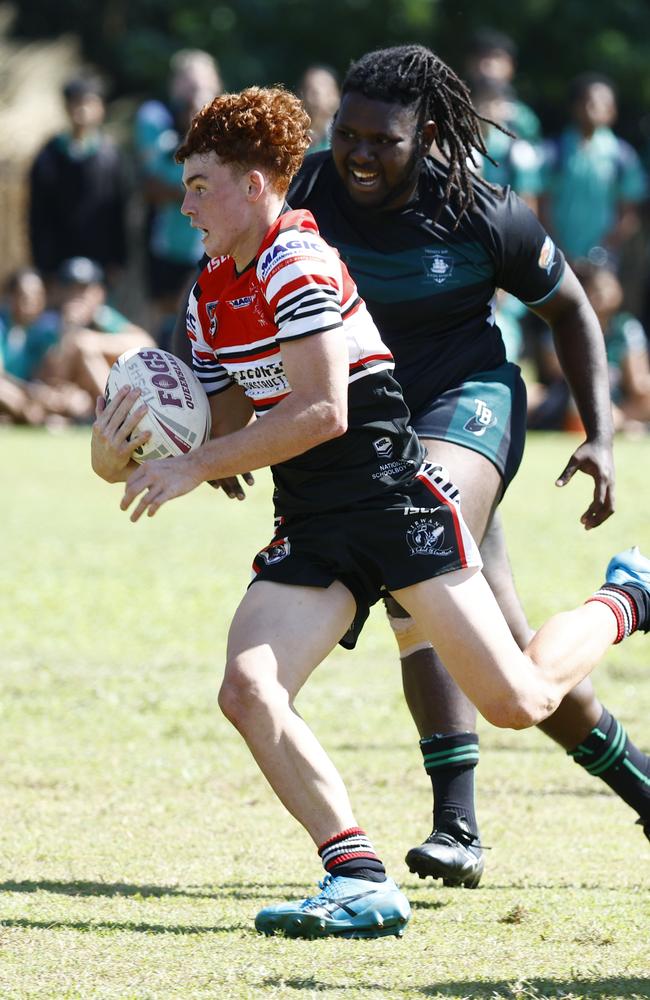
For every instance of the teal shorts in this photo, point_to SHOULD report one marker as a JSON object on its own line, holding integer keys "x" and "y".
{"x": 487, "y": 414}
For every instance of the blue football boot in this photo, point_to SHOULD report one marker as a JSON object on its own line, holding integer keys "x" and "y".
{"x": 345, "y": 907}
{"x": 630, "y": 570}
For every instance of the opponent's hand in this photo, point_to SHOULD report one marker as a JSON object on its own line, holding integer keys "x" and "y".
{"x": 232, "y": 487}
{"x": 111, "y": 449}
{"x": 159, "y": 480}
{"x": 595, "y": 460}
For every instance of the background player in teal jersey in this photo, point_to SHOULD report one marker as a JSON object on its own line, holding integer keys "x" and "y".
{"x": 428, "y": 246}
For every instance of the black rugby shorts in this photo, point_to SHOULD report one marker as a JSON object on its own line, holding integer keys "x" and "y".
{"x": 392, "y": 541}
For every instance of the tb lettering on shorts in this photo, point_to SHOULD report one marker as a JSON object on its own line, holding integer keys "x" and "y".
{"x": 482, "y": 419}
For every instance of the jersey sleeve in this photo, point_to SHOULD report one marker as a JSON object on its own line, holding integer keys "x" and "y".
{"x": 303, "y": 283}
{"x": 528, "y": 263}
{"x": 213, "y": 376}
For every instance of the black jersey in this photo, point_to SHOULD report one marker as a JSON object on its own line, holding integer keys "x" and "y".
{"x": 429, "y": 287}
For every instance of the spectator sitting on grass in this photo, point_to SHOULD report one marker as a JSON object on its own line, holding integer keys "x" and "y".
{"x": 626, "y": 345}
{"x": 27, "y": 333}
{"x": 92, "y": 333}
{"x": 551, "y": 406}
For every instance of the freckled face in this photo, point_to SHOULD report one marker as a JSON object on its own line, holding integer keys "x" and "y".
{"x": 376, "y": 150}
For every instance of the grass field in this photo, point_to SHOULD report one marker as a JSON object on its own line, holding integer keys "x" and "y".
{"x": 137, "y": 840}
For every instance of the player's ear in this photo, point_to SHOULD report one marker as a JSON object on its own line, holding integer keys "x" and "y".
{"x": 427, "y": 137}
{"x": 255, "y": 184}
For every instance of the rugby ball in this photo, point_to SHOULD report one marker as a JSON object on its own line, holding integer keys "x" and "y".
{"x": 178, "y": 414}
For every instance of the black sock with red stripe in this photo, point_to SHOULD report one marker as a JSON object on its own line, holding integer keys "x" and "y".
{"x": 351, "y": 855}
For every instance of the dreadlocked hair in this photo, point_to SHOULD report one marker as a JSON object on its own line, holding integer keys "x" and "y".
{"x": 413, "y": 75}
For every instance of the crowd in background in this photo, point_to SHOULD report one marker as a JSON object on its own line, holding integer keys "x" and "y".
{"x": 61, "y": 325}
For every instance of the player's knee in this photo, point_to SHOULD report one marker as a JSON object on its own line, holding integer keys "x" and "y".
{"x": 244, "y": 697}
{"x": 518, "y": 709}
{"x": 408, "y": 635}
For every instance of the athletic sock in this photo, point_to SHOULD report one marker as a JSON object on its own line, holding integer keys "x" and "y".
{"x": 629, "y": 604}
{"x": 608, "y": 753}
{"x": 449, "y": 760}
{"x": 351, "y": 855}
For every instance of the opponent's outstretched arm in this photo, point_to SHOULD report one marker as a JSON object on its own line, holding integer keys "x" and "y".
{"x": 581, "y": 350}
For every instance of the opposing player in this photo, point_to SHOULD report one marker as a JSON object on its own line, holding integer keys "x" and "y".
{"x": 279, "y": 331}
{"x": 428, "y": 245}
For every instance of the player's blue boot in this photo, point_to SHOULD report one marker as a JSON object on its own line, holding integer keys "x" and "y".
{"x": 345, "y": 907}
{"x": 631, "y": 570}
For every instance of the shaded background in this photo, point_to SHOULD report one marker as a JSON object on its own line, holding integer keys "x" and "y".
{"x": 42, "y": 42}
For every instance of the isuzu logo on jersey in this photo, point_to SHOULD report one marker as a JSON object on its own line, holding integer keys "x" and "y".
{"x": 384, "y": 447}
{"x": 483, "y": 419}
{"x": 438, "y": 264}
{"x": 427, "y": 538}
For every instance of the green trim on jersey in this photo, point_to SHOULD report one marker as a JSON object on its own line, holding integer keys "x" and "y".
{"x": 416, "y": 273}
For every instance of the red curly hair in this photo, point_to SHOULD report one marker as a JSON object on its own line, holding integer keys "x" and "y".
{"x": 265, "y": 127}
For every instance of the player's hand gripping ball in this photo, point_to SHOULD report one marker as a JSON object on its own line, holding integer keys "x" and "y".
{"x": 178, "y": 413}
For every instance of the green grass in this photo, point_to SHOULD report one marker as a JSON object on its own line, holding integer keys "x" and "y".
{"x": 137, "y": 839}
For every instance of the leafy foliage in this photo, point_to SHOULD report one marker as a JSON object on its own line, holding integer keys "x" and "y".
{"x": 265, "y": 41}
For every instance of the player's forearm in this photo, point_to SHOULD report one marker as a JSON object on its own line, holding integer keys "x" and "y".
{"x": 581, "y": 351}
{"x": 292, "y": 428}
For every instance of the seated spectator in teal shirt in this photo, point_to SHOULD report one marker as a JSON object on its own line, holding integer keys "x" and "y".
{"x": 27, "y": 331}
{"x": 594, "y": 181}
{"x": 626, "y": 345}
{"x": 28, "y": 335}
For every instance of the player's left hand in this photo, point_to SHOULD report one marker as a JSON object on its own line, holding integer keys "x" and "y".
{"x": 596, "y": 460}
{"x": 159, "y": 480}
{"x": 232, "y": 486}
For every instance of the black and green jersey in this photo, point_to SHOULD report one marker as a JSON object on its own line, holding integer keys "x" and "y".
{"x": 429, "y": 287}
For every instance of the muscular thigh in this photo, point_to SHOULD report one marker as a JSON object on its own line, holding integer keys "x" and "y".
{"x": 476, "y": 477}
{"x": 281, "y": 632}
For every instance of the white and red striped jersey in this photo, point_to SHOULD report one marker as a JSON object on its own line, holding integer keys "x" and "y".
{"x": 297, "y": 286}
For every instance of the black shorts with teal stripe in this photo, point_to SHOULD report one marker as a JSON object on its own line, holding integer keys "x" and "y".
{"x": 487, "y": 414}
{"x": 392, "y": 541}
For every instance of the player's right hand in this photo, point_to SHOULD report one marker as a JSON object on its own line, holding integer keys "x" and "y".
{"x": 232, "y": 487}
{"x": 113, "y": 439}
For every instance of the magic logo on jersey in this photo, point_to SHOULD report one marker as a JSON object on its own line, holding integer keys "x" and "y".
{"x": 242, "y": 302}
{"x": 280, "y": 252}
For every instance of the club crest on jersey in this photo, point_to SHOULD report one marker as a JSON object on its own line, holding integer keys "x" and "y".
{"x": 383, "y": 446}
{"x": 482, "y": 419}
{"x": 438, "y": 265}
{"x": 211, "y": 309}
{"x": 427, "y": 538}
{"x": 274, "y": 553}
{"x": 546, "y": 257}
